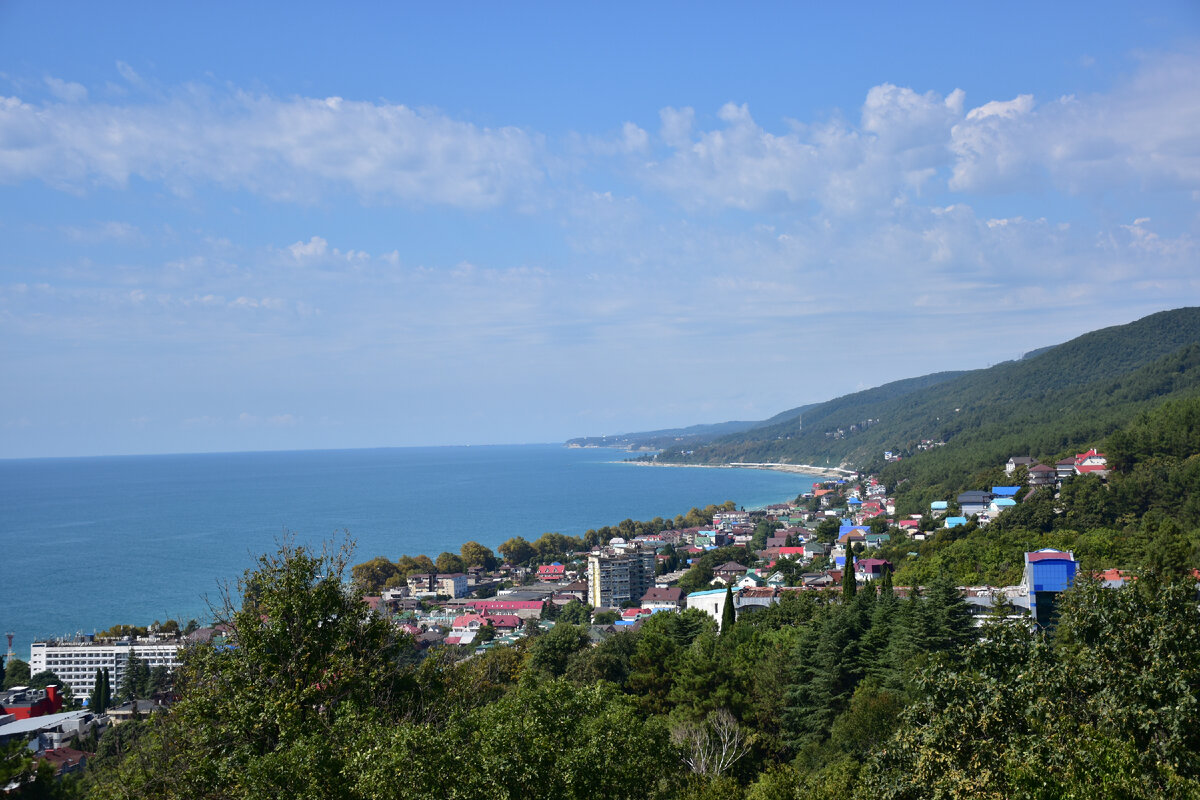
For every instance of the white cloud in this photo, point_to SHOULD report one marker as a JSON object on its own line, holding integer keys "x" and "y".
{"x": 129, "y": 74}
{"x": 285, "y": 149}
{"x": 677, "y": 124}
{"x": 102, "y": 232}
{"x": 1139, "y": 136}
{"x": 313, "y": 248}
{"x": 901, "y": 141}
{"x": 66, "y": 90}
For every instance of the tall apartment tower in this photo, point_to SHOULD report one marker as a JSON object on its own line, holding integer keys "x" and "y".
{"x": 619, "y": 577}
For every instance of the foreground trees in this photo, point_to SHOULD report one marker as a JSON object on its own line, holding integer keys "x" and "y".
{"x": 821, "y": 695}
{"x": 260, "y": 717}
{"x": 1106, "y": 707}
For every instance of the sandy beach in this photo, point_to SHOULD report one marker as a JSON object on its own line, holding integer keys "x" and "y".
{"x": 804, "y": 469}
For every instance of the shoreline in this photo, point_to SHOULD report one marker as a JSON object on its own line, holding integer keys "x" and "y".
{"x": 802, "y": 469}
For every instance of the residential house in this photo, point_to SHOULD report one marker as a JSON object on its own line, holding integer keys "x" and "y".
{"x": 729, "y": 572}
{"x": 869, "y": 569}
{"x": 752, "y": 579}
{"x": 525, "y": 609}
{"x": 1091, "y": 462}
{"x": 1042, "y": 475}
{"x": 1018, "y": 461}
{"x": 551, "y": 572}
{"x": 974, "y": 502}
{"x": 710, "y": 601}
{"x": 816, "y": 549}
{"x": 422, "y": 585}
{"x": 453, "y": 584}
{"x": 999, "y": 505}
{"x": 668, "y": 599}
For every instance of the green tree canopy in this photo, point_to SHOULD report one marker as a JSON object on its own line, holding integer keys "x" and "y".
{"x": 16, "y": 673}
{"x": 263, "y": 717}
{"x": 371, "y": 576}
{"x": 474, "y": 554}
{"x": 448, "y": 564}
{"x": 517, "y": 551}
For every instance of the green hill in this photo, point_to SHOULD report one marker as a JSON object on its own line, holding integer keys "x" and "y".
{"x": 1047, "y": 403}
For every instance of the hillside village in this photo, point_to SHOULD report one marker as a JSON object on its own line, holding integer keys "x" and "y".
{"x": 676, "y": 617}
{"x": 797, "y": 546}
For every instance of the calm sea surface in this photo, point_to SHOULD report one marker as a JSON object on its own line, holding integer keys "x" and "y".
{"x": 89, "y": 542}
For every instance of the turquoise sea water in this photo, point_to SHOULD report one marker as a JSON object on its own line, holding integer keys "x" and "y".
{"x": 89, "y": 542}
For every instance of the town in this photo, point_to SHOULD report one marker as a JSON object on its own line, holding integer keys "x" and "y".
{"x": 729, "y": 564}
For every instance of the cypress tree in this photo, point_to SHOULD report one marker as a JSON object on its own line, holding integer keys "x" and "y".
{"x": 96, "y": 697}
{"x": 950, "y": 621}
{"x": 727, "y": 614}
{"x": 849, "y": 582}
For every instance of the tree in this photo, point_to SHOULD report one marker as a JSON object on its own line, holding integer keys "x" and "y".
{"x": 849, "y": 579}
{"x": 517, "y": 551}
{"x": 605, "y": 617}
{"x": 96, "y": 698}
{"x": 418, "y": 565}
{"x": 727, "y": 612}
{"x": 476, "y": 555}
{"x": 827, "y": 530}
{"x": 575, "y": 613}
{"x": 16, "y": 673}
{"x": 552, "y": 651}
{"x": 545, "y": 740}
{"x": 712, "y": 748}
{"x": 1105, "y": 707}
{"x": 448, "y": 564}
{"x": 270, "y": 716}
{"x": 370, "y": 576}
{"x": 137, "y": 676}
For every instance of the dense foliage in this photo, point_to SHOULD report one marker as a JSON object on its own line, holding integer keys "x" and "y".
{"x": 1043, "y": 404}
{"x": 821, "y": 695}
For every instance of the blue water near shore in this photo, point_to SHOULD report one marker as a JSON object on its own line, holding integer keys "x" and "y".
{"x": 89, "y": 542}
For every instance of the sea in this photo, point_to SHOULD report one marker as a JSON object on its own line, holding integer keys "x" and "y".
{"x": 86, "y": 543}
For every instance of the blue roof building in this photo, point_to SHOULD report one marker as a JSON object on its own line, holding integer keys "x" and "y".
{"x": 1048, "y": 573}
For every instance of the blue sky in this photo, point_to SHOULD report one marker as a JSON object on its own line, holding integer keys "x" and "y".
{"x": 295, "y": 226}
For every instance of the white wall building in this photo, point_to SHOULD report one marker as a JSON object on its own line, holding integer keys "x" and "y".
{"x": 76, "y": 662}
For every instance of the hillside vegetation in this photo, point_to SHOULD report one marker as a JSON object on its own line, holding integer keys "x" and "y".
{"x": 1045, "y": 404}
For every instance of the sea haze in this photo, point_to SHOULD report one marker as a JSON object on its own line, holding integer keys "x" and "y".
{"x": 90, "y": 542}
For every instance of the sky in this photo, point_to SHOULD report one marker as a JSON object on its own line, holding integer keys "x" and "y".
{"x": 301, "y": 226}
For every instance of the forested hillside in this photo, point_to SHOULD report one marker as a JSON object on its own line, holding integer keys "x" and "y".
{"x": 1054, "y": 399}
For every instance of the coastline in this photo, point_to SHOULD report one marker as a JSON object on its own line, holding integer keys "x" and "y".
{"x": 803, "y": 469}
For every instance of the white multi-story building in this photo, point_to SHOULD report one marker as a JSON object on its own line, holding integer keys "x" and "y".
{"x": 76, "y": 661}
{"x": 617, "y": 576}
